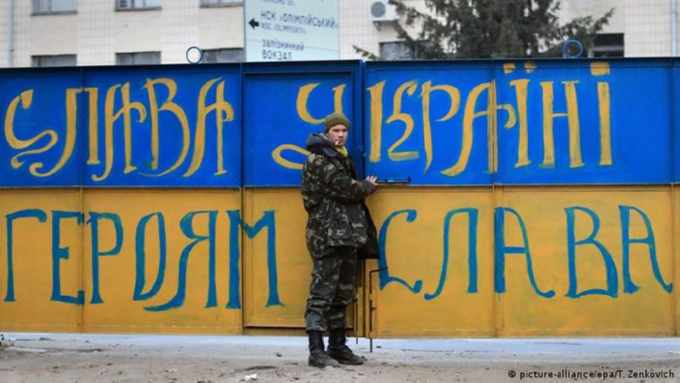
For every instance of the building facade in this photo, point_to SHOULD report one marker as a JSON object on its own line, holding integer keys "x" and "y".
{"x": 108, "y": 32}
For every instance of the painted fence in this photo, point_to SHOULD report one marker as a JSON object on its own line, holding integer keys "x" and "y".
{"x": 522, "y": 197}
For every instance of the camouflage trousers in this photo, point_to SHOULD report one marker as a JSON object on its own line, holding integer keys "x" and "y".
{"x": 331, "y": 289}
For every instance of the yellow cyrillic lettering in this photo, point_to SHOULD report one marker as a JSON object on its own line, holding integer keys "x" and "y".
{"x": 303, "y": 98}
{"x": 468, "y": 133}
{"x": 454, "y": 98}
{"x": 573, "y": 120}
{"x": 93, "y": 126}
{"x": 278, "y": 156}
{"x": 521, "y": 93}
{"x": 220, "y": 107}
{"x": 376, "y": 96}
{"x": 110, "y": 118}
{"x": 397, "y": 115}
{"x": 71, "y": 117}
{"x": 174, "y": 108}
{"x": 604, "y": 107}
{"x": 25, "y": 98}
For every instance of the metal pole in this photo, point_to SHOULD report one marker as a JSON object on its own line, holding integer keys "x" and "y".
{"x": 10, "y": 34}
{"x": 674, "y": 27}
{"x": 371, "y": 308}
{"x": 245, "y": 30}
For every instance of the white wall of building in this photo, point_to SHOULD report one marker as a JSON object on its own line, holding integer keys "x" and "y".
{"x": 648, "y": 28}
{"x": 578, "y": 8}
{"x": 4, "y": 32}
{"x": 96, "y": 32}
{"x": 43, "y": 35}
{"x": 356, "y": 27}
{"x": 646, "y": 25}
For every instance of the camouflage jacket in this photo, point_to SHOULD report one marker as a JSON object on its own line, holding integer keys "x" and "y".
{"x": 333, "y": 198}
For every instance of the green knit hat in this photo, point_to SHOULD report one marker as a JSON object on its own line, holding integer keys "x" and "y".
{"x": 335, "y": 119}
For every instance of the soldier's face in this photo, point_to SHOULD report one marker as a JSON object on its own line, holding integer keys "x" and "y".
{"x": 338, "y": 135}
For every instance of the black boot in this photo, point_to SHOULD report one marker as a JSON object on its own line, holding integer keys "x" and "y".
{"x": 338, "y": 350}
{"x": 317, "y": 354}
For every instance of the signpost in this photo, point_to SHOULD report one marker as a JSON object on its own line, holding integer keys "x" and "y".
{"x": 291, "y": 30}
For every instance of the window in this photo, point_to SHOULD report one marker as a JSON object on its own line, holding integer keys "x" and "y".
{"x": 608, "y": 45}
{"x": 53, "y": 6}
{"x": 399, "y": 50}
{"x": 395, "y": 50}
{"x": 137, "y": 4}
{"x": 54, "y": 60}
{"x": 220, "y": 3}
{"x": 226, "y": 55}
{"x": 138, "y": 58}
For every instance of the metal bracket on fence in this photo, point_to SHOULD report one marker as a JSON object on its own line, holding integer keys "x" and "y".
{"x": 371, "y": 308}
{"x": 355, "y": 323}
{"x": 360, "y": 274}
{"x": 355, "y": 312}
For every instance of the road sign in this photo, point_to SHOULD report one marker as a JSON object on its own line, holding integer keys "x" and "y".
{"x": 291, "y": 30}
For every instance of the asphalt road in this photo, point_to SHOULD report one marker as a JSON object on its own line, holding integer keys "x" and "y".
{"x": 34, "y": 357}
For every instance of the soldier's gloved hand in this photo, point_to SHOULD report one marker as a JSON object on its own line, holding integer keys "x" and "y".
{"x": 373, "y": 180}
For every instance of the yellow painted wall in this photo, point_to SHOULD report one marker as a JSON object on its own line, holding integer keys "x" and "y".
{"x": 32, "y": 308}
{"x": 292, "y": 260}
{"x": 415, "y": 253}
{"x": 271, "y": 296}
{"x": 195, "y": 313}
{"x": 114, "y": 308}
{"x": 648, "y": 311}
{"x": 293, "y": 263}
{"x": 676, "y": 254}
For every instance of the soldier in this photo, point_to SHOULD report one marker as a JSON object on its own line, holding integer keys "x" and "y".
{"x": 336, "y": 227}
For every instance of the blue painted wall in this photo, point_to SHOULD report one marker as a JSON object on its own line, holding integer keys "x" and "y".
{"x": 434, "y": 123}
{"x": 639, "y": 104}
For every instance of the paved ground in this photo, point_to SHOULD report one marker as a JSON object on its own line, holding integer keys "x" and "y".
{"x": 156, "y": 358}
